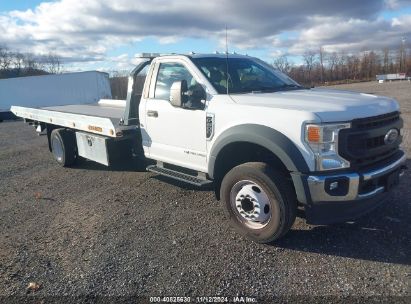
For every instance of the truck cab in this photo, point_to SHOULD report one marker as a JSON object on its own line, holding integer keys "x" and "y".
{"x": 265, "y": 143}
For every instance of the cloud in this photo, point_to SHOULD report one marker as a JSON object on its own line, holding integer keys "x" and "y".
{"x": 337, "y": 34}
{"x": 87, "y": 30}
{"x": 396, "y": 4}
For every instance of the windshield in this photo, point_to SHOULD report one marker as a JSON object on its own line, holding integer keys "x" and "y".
{"x": 245, "y": 75}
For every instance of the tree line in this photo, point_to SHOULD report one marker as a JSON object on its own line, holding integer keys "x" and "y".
{"x": 318, "y": 67}
{"x": 322, "y": 67}
{"x": 18, "y": 64}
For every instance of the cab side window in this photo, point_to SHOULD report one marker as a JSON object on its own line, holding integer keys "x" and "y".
{"x": 169, "y": 73}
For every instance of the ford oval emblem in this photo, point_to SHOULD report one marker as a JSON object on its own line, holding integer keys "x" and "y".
{"x": 391, "y": 136}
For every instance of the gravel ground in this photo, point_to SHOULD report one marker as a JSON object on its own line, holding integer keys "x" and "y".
{"x": 93, "y": 231}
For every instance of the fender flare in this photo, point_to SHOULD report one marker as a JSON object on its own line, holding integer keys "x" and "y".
{"x": 272, "y": 140}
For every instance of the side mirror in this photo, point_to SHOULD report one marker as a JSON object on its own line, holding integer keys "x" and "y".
{"x": 197, "y": 93}
{"x": 177, "y": 93}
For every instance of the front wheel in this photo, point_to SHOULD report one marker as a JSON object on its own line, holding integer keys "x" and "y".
{"x": 260, "y": 202}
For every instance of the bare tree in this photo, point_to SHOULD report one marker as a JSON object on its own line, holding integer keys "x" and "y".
{"x": 353, "y": 67}
{"x": 282, "y": 64}
{"x": 18, "y": 61}
{"x": 374, "y": 64}
{"x": 30, "y": 62}
{"x": 5, "y": 58}
{"x": 342, "y": 66}
{"x": 370, "y": 65}
{"x": 402, "y": 56}
{"x": 408, "y": 63}
{"x": 332, "y": 60}
{"x": 310, "y": 58}
{"x": 386, "y": 60}
{"x": 52, "y": 63}
{"x": 321, "y": 57}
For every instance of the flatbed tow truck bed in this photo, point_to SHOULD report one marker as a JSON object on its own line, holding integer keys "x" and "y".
{"x": 102, "y": 118}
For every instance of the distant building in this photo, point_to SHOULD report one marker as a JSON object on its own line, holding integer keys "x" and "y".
{"x": 385, "y": 77}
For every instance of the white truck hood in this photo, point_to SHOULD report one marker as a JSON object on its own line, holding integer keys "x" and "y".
{"x": 328, "y": 105}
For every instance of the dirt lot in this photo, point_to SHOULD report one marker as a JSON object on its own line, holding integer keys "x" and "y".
{"x": 93, "y": 231}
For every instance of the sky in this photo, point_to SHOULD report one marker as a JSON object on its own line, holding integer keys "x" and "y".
{"x": 107, "y": 35}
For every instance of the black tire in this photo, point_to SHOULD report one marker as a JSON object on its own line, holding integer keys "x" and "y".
{"x": 64, "y": 147}
{"x": 281, "y": 199}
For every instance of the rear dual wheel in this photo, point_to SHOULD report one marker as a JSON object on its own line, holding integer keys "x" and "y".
{"x": 64, "y": 147}
{"x": 259, "y": 201}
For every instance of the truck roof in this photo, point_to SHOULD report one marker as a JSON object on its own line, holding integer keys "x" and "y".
{"x": 194, "y": 55}
{"x": 217, "y": 55}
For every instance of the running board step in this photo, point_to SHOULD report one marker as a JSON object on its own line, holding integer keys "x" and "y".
{"x": 193, "y": 180}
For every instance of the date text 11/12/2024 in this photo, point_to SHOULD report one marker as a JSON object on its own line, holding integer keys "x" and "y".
{"x": 203, "y": 299}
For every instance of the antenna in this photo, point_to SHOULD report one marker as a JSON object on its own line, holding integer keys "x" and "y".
{"x": 226, "y": 56}
{"x": 226, "y": 39}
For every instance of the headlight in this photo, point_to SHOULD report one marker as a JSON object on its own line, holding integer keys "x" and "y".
{"x": 323, "y": 141}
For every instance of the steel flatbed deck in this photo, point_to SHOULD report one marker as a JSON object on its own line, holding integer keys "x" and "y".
{"x": 101, "y": 118}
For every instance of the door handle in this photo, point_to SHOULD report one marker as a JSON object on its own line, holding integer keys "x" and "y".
{"x": 152, "y": 114}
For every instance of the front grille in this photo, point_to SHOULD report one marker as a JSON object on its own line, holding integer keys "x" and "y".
{"x": 363, "y": 144}
{"x": 376, "y": 121}
{"x": 375, "y": 142}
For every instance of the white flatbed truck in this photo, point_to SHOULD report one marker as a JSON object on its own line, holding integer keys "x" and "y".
{"x": 265, "y": 143}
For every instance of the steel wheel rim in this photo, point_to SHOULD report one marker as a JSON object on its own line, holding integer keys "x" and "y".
{"x": 250, "y": 204}
{"x": 57, "y": 149}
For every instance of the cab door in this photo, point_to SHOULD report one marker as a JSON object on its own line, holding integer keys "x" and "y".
{"x": 175, "y": 135}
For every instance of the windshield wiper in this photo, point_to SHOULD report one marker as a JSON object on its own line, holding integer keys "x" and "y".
{"x": 269, "y": 89}
{"x": 264, "y": 90}
{"x": 291, "y": 86}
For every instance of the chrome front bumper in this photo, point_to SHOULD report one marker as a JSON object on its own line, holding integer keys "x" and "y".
{"x": 317, "y": 184}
